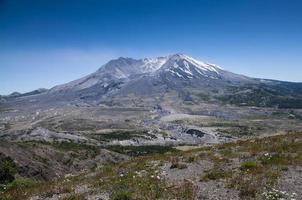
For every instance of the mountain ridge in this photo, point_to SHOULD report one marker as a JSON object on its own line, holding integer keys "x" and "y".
{"x": 123, "y": 68}
{"x": 149, "y": 77}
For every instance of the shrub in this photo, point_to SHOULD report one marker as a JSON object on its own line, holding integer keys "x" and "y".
{"x": 215, "y": 174}
{"x": 271, "y": 159}
{"x": 248, "y": 185}
{"x": 191, "y": 159}
{"x": 122, "y": 195}
{"x": 176, "y": 164}
{"x": 20, "y": 183}
{"x": 248, "y": 165}
{"x": 186, "y": 190}
{"x": 8, "y": 169}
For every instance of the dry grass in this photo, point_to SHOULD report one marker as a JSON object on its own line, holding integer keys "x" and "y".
{"x": 248, "y": 166}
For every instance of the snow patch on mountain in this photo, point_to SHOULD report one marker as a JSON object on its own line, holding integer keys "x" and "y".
{"x": 153, "y": 64}
{"x": 187, "y": 68}
{"x": 201, "y": 65}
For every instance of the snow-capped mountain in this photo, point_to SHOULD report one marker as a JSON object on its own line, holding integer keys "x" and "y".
{"x": 188, "y": 66}
{"x": 178, "y": 66}
{"x": 179, "y": 73}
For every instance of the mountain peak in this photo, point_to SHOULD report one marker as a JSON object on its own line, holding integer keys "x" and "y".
{"x": 147, "y": 65}
{"x": 182, "y": 65}
{"x": 124, "y": 69}
{"x": 177, "y": 55}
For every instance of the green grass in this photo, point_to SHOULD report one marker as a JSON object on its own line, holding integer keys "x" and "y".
{"x": 20, "y": 183}
{"x": 65, "y": 152}
{"x": 72, "y": 146}
{"x": 141, "y": 150}
{"x": 122, "y": 195}
{"x": 123, "y": 135}
{"x": 261, "y": 97}
{"x": 249, "y": 165}
{"x": 240, "y": 130}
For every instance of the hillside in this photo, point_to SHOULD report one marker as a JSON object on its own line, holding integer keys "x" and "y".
{"x": 263, "y": 168}
{"x": 170, "y": 127}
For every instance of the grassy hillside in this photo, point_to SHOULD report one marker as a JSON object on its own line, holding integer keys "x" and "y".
{"x": 250, "y": 169}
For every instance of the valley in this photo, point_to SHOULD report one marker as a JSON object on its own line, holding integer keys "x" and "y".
{"x": 169, "y": 127}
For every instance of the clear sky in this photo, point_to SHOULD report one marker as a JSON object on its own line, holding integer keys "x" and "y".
{"x": 49, "y": 42}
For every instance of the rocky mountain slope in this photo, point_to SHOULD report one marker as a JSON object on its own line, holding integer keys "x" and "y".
{"x": 179, "y": 73}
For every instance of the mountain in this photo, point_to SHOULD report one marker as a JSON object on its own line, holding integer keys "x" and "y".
{"x": 149, "y": 76}
{"x": 119, "y": 69}
{"x": 190, "y": 78}
{"x": 132, "y": 107}
{"x": 177, "y": 67}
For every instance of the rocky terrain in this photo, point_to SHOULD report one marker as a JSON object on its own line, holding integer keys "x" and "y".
{"x": 169, "y": 127}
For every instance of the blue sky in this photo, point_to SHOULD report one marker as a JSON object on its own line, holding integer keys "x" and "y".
{"x": 49, "y": 42}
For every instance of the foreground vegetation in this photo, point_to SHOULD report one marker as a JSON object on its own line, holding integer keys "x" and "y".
{"x": 251, "y": 167}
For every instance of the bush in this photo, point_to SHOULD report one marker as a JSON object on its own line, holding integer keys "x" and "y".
{"x": 176, "y": 164}
{"x": 271, "y": 159}
{"x": 215, "y": 174}
{"x": 20, "y": 183}
{"x": 191, "y": 159}
{"x": 8, "y": 169}
{"x": 248, "y": 165}
{"x": 186, "y": 190}
{"x": 122, "y": 195}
